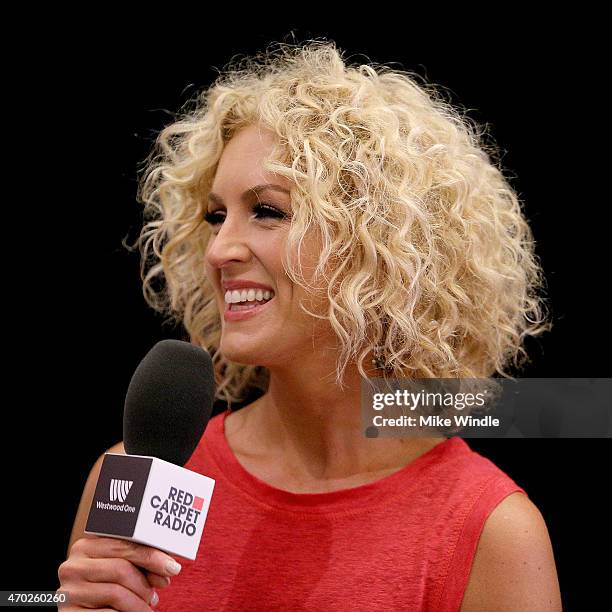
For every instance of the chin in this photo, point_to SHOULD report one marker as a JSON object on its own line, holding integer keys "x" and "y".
{"x": 242, "y": 355}
{"x": 253, "y": 355}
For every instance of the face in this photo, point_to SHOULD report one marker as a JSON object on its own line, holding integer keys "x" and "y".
{"x": 244, "y": 257}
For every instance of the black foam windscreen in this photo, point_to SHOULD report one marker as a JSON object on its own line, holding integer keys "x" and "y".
{"x": 169, "y": 402}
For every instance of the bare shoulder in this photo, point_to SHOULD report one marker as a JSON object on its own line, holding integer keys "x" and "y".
{"x": 514, "y": 565}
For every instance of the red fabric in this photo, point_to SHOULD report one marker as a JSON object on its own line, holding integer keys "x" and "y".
{"x": 405, "y": 542}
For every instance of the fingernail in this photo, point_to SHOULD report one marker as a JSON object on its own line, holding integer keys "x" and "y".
{"x": 155, "y": 599}
{"x": 173, "y": 567}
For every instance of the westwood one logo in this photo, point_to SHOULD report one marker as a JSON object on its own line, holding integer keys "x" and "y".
{"x": 117, "y": 492}
{"x": 179, "y": 511}
{"x": 119, "y": 489}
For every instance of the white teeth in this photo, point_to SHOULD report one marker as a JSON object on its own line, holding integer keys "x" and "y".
{"x": 247, "y": 295}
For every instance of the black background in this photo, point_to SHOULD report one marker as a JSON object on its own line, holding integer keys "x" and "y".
{"x": 85, "y": 106}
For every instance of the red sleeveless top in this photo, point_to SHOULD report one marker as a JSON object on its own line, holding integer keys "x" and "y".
{"x": 404, "y": 542}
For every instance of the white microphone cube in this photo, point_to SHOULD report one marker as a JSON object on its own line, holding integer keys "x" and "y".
{"x": 150, "y": 501}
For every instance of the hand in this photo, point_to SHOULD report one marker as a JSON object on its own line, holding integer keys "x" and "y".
{"x": 105, "y": 573}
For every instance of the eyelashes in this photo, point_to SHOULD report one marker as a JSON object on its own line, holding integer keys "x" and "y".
{"x": 261, "y": 210}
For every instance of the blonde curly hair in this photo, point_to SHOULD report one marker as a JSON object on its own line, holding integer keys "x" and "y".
{"x": 426, "y": 251}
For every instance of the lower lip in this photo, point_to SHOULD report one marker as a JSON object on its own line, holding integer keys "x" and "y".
{"x": 241, "y": 315}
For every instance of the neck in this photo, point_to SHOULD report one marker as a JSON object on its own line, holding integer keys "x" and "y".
{"x": 316, "y": 427}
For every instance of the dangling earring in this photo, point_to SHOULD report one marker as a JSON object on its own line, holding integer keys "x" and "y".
{"x": 378, "y": 361}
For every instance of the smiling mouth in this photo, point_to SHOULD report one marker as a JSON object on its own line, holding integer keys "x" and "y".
{"x": 239, "y": 300}
{"x": 236, "y": 307}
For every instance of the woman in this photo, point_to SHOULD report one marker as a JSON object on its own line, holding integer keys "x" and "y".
{"x": 317, "y": 223}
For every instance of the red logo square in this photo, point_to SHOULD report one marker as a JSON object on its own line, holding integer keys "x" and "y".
{"x": 197, "y": 502}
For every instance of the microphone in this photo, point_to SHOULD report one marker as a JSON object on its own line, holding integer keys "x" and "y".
{"x": 146, "y": 495}
{"x": 169, "y": 402}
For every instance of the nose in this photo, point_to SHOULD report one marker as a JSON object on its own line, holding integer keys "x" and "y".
{"x": 230, "y": 244}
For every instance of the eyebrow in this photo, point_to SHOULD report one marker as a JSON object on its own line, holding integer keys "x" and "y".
{"x": 217, "y": 199}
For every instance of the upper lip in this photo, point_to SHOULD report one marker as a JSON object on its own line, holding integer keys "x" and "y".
{"x": 243, "y": 284}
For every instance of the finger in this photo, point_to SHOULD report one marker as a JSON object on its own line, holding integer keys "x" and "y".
{"x": 147, "y": 557}
{"x": 106, "y": 594}
{"x": 115, "y": 570}
{"x": 157, "y": 581}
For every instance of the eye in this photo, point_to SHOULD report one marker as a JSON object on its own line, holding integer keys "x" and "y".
{"x": 213, "y": 218}
{"x": 261, "y": 210}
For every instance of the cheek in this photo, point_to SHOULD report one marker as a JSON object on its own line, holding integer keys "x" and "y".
{"x": 315, "y": 299}
{"x": 211, "y": 276}
{"x": 208, "y": 267}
